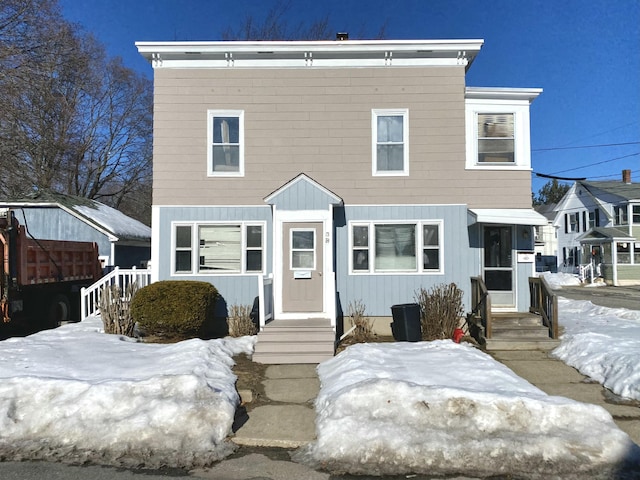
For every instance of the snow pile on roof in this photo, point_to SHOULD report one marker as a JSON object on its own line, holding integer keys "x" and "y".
{"x": 602, "y": 343}
{"x": 441, "y": 408}
{"x": 115, "y": 221}
{"x": 79, "y": 395}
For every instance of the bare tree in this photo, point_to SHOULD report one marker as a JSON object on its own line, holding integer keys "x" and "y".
{"x": 71, "y": 119}
{"x": 275, "y": 26}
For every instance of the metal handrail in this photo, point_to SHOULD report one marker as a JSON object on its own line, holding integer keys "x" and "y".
{"x": 544, "y": 303}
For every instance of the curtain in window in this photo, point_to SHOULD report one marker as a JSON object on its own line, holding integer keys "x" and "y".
{"x": 220, "y": 247}
{"x": 495, "y": 138}
{"x": 395, "y": 247}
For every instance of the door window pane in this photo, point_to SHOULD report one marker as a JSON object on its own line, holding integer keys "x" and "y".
{"x": 303, "y": 249}
{"x": 497, "y": 247}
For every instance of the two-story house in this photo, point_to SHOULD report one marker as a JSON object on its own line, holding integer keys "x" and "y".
{"x": 329, "y": 172}
{"x": 598, "y": 229}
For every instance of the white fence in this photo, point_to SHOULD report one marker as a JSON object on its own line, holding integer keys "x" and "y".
{"x": 265, "y": 296}
{"x": 122, "y": 277}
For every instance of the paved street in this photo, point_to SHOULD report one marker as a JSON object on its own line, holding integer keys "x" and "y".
{"x": 612, "y": 297}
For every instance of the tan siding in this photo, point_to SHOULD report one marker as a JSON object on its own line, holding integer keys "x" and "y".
{"x": 318, "y": 121}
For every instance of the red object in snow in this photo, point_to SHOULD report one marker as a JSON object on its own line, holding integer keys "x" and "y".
{"x": 457, "y": 335}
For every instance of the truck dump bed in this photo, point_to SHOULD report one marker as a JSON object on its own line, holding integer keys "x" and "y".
{"x": 46, "y": 261}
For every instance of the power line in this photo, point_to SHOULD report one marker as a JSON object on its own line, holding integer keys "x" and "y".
{"x": 584, "y": 146}
{"x": 597, "y": 163}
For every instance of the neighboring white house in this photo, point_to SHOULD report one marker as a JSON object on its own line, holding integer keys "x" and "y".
{"x": 598, "y": 229}
{"x": 546, "y": 239}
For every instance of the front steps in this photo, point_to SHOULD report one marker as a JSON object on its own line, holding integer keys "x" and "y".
{"x": 295, "y": 341}
{"x": 519, "y": 331}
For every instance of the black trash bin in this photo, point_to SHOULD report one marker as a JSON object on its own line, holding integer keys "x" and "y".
{"x": 406, "y": 322}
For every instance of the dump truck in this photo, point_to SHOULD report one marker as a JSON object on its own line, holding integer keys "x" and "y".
{"x": 41, "y": 279}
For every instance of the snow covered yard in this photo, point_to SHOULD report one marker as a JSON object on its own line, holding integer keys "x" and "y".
{"x": 77, "y": 394}
{"x": 442, "y": 408}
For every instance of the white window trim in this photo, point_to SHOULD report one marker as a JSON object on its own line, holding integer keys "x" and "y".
{"x": 211, "y": 114}
{"x": 419, "y": 247}
{"x": 521, "y": 134}
{"x": 195, "y": 256}
{"x": 380, "y": 112}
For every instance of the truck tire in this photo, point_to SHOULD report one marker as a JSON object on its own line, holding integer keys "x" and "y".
{"x": 59, "y": 310}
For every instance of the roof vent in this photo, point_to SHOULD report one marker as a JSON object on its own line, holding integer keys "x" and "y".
{"x": 626, "y": 176}
{"x": 342, "y": 36}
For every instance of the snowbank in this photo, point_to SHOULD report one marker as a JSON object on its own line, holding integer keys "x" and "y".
{"x": 602, "y": 343}
{"x": 442, "y": 408}
{"x": 558, "y": 280}
{"x": 77, "y": 394}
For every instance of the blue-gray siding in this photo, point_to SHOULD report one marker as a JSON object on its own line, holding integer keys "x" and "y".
{"x": 48, "y": 223}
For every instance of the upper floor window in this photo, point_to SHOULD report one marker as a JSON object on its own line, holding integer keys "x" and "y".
{"x": 636, "y": 214}
{"x": 225, "y": 143}
{"x": 572, "y": 222}
{"x": 594, "y": 218}
{"x": 495, "y": 138}
{"x": 218, "y": 248}
{"x": 497, "y": 135}
{"x": 620, "y": 215}
{"x": 390, "y": 247}
{"x": 390, "y": 133}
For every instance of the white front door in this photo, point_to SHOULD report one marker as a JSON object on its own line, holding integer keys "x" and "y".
{"x": 498, "y": 265}
{"x": 302, "y": 267}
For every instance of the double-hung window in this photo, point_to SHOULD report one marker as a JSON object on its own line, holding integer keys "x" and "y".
{"x": 496, "y": 138}
{"x": 218, "y": 248}
{"x": 635, "y": 212}
{"x": 396, "y": 247}
{"x": 390, "y": 133}
{"x": 620, "y": 215}
{"x": 225, "y": 143}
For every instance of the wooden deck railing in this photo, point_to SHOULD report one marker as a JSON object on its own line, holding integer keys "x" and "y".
{"x": 544, "y": 303}
{"x": 122, "y": 277}
{"x": 481, "y": 307}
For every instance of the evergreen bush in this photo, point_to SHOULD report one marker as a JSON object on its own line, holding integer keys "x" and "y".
{"x": 174, "y": 308}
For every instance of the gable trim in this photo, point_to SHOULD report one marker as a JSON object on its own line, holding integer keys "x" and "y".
{"x": 334, "y": 199}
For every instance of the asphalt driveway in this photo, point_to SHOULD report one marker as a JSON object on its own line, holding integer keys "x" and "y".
{"x": 612, "y": 297}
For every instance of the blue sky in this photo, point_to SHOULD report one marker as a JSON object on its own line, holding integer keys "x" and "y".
{"x": 585, "y": 54}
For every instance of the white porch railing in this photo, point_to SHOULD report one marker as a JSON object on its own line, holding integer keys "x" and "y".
{"x": 265, "y": 299}
{"x": 589, "y": 271}
{"x": 122, "y": 277}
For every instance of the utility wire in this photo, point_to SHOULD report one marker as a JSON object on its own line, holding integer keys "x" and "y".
{"x": 597, "y": 163}
{"x": 584, "y": 146}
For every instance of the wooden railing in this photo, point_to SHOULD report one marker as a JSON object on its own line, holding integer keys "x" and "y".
{"x": 481, "y": 307}
{"x": 544, "y": 303}
{"x": 90, "y": 296}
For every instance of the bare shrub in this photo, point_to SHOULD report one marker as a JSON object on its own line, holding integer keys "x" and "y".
{"x": 363, "y": 331}
{"x": 440, "y": 311}
{"x": 240, "y": 322}
{"x": 115, "y": 309}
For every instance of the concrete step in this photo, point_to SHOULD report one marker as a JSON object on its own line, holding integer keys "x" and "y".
{"x": 524, "y": 343}
{"x": 274, "y": 358}
{"x": 295, "y": 341}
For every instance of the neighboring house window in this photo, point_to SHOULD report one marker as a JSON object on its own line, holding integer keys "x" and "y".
{"x": 222, "y": 248}
{"x": 226, "y": 143}
{"x": 594, "y": 218}
{"x": 496, "y": 138}
{"x": 624, "y": 252}
{"x": 571, "y": 222}
{"x": 403, "y": 247}
{"x": 636, "y": 214}
{"x": 390, "y": 142}
{"x": 620, "y": 215}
